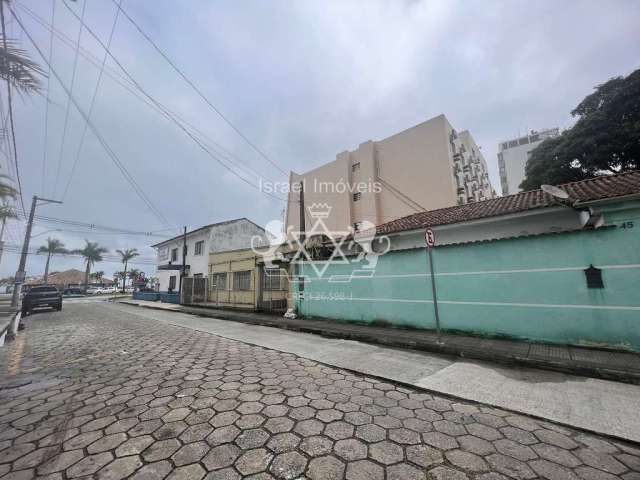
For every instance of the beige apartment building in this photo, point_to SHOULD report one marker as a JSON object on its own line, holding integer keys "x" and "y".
{"x": 425, "y": 167}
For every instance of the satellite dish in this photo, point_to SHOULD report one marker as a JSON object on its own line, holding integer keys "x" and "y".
{"x": 555, "y": 191}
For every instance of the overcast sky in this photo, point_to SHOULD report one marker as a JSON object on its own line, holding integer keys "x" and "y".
{"x": 303, "y": 80}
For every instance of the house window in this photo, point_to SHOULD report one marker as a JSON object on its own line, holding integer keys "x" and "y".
{"x": 219, "y": 281}
{"x": 174, "y": 254}
{"x": 199, "y": 248}
{"x": 172, "y": 283}
{"x": 357, "y": 196}
{"x": 356, "y": 226}
{"x": 271, "y": 279}
{"x": 355, "y": 167}
{"x": 242, "y": 280}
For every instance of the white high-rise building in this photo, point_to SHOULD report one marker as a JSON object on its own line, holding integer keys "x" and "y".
{"x": 513, "y": 156}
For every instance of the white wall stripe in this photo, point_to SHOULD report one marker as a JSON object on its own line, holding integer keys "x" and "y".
{"x": 346, "y": 278}
{"x": 491, "y": 304}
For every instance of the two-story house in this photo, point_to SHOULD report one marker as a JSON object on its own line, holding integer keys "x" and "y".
{"x": 216, "y": 237}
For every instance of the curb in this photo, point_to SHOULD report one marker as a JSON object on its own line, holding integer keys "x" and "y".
{"x": 582, "y": 428}
{"x": 342, "y": 331}
{"x": 11, "y": 330}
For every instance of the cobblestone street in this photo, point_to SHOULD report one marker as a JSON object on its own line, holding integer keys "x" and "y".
{"x": 93, "y": 392}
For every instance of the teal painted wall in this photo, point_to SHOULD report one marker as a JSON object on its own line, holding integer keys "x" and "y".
{"x": 549, "y": 301}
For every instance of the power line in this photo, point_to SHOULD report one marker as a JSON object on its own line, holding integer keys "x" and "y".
{"x": 198, "y": 91}
{"x": 94, "y": 130}
{"x": 66, "y": 115}
{"x": 93, "y": 100}
{"x": 10, "y": 104}
{"x": 131, "y": 88}
{"x": 90, "y": 226}
{"x": 48, "y": 99}
{"x": 16, "y": 250}
{"x": 167, "y": 113}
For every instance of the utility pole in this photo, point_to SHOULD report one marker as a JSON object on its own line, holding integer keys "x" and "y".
{"x": 183, "y": 272}
{"x": 4, "y": 222}
{"x": 21, "y": 273}
{"x": 302, "y": 222}
{"x": 302, "y": 241}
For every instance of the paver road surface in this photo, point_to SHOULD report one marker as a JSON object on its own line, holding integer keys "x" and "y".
{"x": 93, "y": 392}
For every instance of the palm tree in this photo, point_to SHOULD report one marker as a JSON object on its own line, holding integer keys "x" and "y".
{"x": 117, "y": 276}
{"x": 52, "y": 247}
{"x": 7, "y": 192}
{"x": 127, "y": 255}
{"x": 97, "y": 276}
{"x": 18, "y": 69}
{"x": 92, "y": 253}
{"x": 134, "y": 273}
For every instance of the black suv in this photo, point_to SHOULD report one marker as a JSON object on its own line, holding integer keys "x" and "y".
{"x": 41, "y": 296}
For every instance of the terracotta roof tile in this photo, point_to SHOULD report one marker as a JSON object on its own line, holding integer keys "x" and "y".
{"x": 598, "y": 188}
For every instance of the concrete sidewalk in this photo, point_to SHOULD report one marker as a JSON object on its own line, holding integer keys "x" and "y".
{"x": 618, "y": 366}
{"x": 595, "y": 405}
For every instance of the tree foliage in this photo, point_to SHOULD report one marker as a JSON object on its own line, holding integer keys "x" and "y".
{"x": 52, "y": 247}
{"x": 19, "y": 70}
{"x": 125, "y": 256}
{"x": 92, "y": 253}
{"x": 604, "y": 140}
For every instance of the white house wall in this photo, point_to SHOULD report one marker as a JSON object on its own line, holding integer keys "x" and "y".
{"x": 217, "y": 238}
{"x": 532, "y": 223}
{"x": 234, "y": 236}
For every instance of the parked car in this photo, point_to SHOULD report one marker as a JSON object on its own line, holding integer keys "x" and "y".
{"x": 41, "y": 296}
{"x": 73, "y": 291}
{"x": 92, "y": 290}
{"x": 106, "y": 290}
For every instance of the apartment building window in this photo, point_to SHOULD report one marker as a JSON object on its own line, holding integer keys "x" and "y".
{"x": 242, "y": 280}
{"x": 199, "y": 248}
{"x": 357, "y": 226}
{"x": 272, "y": 279}
{"x": 219, "y": 281}
{"x": 357, "y": 196}
{"x": 355, "y": 167}
{"x": 172, "y": 283}
{"x": 174, "y": 254}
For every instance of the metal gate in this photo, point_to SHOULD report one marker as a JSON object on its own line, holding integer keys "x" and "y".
{"x": 194, "y": 290}
{"x": 274, "y": 290}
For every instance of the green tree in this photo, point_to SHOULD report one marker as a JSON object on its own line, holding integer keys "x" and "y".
{"x": 604, "y": 140}
{"x": 117, "y": 276}
{"x": 7, "y": 192}
{"x": 125, "y": 256}
{"x": 92, "y": 253}
{"x": 97, "y": 276}
{"x": 134, "y": 273}
{"x": 18, "y": 69}
{"x": 53, "y": 246}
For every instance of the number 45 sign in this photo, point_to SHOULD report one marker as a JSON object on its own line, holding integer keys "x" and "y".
{"x": 430, "y": 238}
